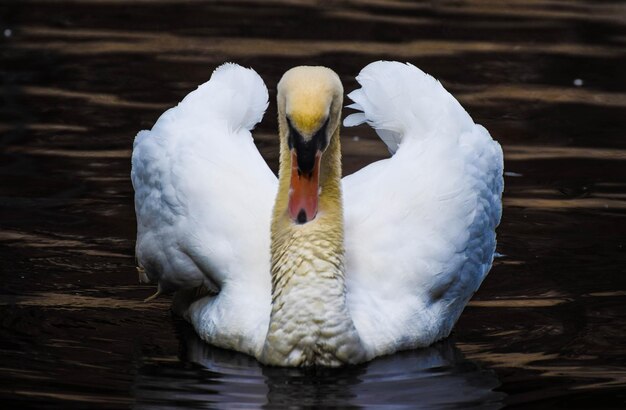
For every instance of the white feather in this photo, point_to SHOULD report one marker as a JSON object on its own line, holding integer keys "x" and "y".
{"x": 203, "y": 199}
{"x": 419, "y": 226}
{"x": 400, "y": 100}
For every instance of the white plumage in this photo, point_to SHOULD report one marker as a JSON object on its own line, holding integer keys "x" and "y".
{"x": 419, "y": 226}
{"x": 203, "y": 198}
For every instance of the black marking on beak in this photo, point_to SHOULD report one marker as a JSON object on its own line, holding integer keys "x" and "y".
{"x": 306, "y": 150}
{"x": 301, "y": 217}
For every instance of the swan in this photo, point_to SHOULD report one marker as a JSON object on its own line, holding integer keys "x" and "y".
{"x": 312, "y": 269}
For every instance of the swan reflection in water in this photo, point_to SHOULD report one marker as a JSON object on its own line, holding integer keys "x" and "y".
{"x": 205, "y": 376}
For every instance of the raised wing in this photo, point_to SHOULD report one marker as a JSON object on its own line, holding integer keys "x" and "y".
{"x": 419, "y": 226}
{"x": 203, "y": 193}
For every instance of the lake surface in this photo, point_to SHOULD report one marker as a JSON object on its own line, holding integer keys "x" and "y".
{"x": 80, "y": 78}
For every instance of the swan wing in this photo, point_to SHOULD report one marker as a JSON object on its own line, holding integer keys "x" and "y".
{"x": 419, "y": 226}
{"x": 203, "y": 193}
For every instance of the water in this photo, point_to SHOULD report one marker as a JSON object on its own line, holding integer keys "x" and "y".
{"x": 80, "y": 78}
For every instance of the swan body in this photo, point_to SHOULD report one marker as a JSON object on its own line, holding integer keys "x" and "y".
{"x": 309, "y": 268}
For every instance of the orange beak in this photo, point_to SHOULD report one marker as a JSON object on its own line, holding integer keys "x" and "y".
{"x": 304, "y": 191}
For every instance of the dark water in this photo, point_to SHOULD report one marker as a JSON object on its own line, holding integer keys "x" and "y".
{"x": 80, "y": 78}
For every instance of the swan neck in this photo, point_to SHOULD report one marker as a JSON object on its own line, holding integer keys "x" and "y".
{"x": 310, "y": 323}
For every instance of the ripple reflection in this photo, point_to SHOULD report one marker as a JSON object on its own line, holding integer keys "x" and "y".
{"x": 204, "y": 376}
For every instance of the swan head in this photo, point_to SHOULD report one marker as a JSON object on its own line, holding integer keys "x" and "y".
{"x": 309, "y": 110}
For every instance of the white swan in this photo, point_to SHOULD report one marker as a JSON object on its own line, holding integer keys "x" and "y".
{"x": 295, "y": 278}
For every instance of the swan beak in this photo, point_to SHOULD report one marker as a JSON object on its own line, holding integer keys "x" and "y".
{"x": 304, "y": 190}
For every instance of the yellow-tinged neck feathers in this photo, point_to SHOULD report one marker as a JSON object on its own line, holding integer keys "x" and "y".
{"x": 310, "y": 323}
{"x": 307, "y": 98}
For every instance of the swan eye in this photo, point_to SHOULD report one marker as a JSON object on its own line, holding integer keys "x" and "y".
{"x": 293, "y": 135}
{"x": 321, "y": 136}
